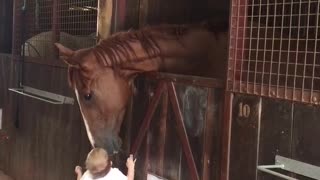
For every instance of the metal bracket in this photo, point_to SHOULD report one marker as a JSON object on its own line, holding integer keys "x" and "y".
{"x": 291, "y": 165}
{"x": 42, "y": 95}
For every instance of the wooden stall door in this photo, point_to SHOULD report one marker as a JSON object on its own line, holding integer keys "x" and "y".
{"x": 164, "y": 151}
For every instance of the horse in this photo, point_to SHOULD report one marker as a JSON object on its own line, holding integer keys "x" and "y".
{"x": 102, "y": 76}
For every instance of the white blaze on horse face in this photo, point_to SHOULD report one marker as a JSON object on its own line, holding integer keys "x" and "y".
{"x": 85, "y": 120}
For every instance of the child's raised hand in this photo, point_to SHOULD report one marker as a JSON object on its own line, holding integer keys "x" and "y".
{"x": 78, "y": 170}
{"x": 131, "y": 162}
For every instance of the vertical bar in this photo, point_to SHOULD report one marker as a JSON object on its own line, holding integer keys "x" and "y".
{"x": 297, "y": 52}
{"x": 265, "y": 48}
{"x": 147, "y": 155}
{"x": 243, "y": 14}
{"x": 258, "y": 133}
{"x": 15, "y": 23}
{"x": 182, "y": 133}
{"x": 147, "y": 119}
{"x": 143, "y": 12}
{"x": 305, "y": 54}
{"x": 235, "y": 44}
{"x": 55, "y": 23}
{"x": 280, "y": 51}
{"x": 226, "y": 136}
{"x": 231, "y": 76}
{"x": 315, "y": 52}
{"x": 250, "y": 45}
{"x": 289, "y": 52}
{"x": 272, "y": 48}
{"x": 104, "y": 19}
{"x": 208, "y": 134}
{"x": 119, "y": 15}
{"x": 257, "y": 51}
{"x": 114, "y": 21}
{"x": 163, "y": 131}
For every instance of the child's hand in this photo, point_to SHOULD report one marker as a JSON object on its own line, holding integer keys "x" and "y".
{"x": 78, "y": 170}
{"x": 131, "y": 162}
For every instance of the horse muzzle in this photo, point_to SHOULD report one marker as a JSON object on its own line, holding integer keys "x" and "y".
{"x": 112, "y": 144}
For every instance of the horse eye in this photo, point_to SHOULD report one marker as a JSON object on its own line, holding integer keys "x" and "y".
{"x": 87, "y": 96}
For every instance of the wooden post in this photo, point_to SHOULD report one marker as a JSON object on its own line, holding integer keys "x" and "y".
{"x": 104, "y": 19}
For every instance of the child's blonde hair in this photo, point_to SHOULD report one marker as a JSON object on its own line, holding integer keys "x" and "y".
{"x": 96, "y": 158}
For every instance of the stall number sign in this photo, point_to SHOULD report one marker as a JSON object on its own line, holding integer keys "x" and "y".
{"x": 244, "y": 110}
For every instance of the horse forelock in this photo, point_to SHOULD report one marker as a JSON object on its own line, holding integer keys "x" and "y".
{"x": 78, "y": 78}
{"x": 119, "y": 49}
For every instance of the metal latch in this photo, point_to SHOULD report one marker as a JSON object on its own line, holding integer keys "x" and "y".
{"x": 291, "y": 165}
{"x": 42, "y": 95}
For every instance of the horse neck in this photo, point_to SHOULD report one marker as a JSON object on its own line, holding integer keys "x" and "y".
{"x": 187, "y": 54}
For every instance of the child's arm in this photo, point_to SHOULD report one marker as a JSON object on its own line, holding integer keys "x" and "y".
{"x": 78, "y": 171}
{"x": 130, "y": 166}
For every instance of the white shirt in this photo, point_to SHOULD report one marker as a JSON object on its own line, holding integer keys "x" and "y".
{"x": 113, "y": 174}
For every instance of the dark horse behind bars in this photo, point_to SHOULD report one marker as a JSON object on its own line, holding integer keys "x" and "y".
{"x": 102, "y": 76}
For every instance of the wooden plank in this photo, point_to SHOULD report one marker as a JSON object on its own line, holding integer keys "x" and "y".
{"x": 105, "y": 11}
{"x": 244, "y": 137}
{"x": 173, "y": 150}
{"x": 275, "y": 132}
{"x": 132, "y": 14}
{"x": 305, "y": 144}
{"x": 162, "y": 134}
{"x": 143, "y": 12}
{"x": 40, "y": 148}
{"x": 212, "y": 137}
{"x": 226, "y": 136}
{"x": 6, "y": 10}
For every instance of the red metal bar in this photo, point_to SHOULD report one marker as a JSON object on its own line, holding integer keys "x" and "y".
{"x": 226, "y": 136}
{"x": 147, "y": 119}
{"x": 162, "y": 135}
{"x": 182, "y": 133}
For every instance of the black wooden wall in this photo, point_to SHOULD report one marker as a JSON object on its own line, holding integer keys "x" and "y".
{"x": 273, "y": 127}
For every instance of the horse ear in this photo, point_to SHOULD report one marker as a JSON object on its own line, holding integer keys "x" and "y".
{"x": 65, "y": 54}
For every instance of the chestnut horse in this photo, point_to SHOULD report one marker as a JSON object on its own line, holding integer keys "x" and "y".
{"x": 102, "y": 76}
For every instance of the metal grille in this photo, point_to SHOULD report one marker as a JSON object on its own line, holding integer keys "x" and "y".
{"x": 71, "y": 22}
{"x": 274, "y": 49}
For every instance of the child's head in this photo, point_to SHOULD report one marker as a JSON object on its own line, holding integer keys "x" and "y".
{"x": 97, "y": 161}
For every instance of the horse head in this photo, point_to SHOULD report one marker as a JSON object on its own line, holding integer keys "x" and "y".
{"x": 102, "y": 94}
{"x": 102, "y": 76}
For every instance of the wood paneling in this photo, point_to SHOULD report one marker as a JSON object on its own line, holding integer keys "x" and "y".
{"x": 285, "y": 128}
{"x": 51, "y": 139}
{"x": 275, "y": 133}
{"x": 306, "y": 133}
{"x": 244, "y": 137}
{"x": 6, "y": 8}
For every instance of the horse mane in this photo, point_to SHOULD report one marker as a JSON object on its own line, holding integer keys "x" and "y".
{"x": 120, "y": 44}
{"x": 118, "y": 49}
